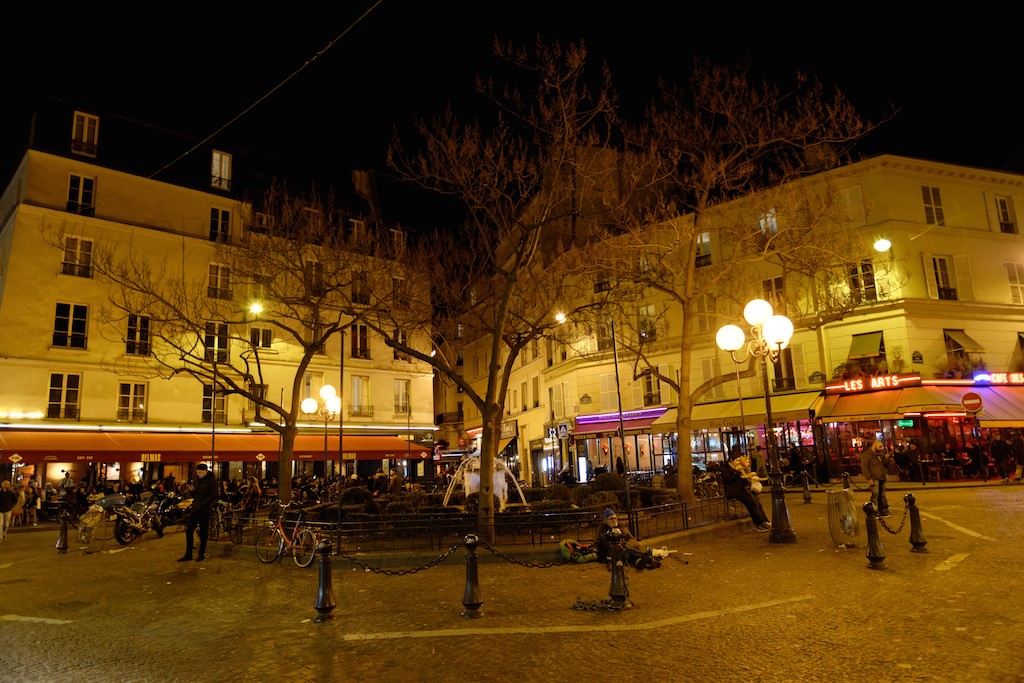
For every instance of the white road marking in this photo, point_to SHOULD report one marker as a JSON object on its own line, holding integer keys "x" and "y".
{"x": 589, "y": 628}
{"x": 957, "y": 527}
{"x": 41, "y": 620}
{"x": 950, "y": 562}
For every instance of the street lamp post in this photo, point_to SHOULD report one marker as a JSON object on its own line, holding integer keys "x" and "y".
{"x": 771, "y": 334}
{"x": 328, "y": 408}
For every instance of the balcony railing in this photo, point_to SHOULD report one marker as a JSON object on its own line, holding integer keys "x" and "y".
{"x": 444, "y": 418}
{"x": 130, "y": 415}
{"x": 784, "y": 384}
{"x": 355, "y": 410}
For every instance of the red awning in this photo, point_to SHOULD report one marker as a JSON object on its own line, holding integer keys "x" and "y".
{"x": 46, "y": 446}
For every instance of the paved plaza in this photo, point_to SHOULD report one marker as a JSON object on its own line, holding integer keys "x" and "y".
{"x": 727, "y": 606}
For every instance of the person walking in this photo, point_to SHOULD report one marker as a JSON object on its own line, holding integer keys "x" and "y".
{"x": 1001, "y": 455}
{"x": 204, "y": 496}
{"x": 874, "y": 463}
{"x": 8, "y": 499}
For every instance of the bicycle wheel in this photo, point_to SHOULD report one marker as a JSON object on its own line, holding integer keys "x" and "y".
{"x": 304, "y": 549}
{"x": 269, "y": 545}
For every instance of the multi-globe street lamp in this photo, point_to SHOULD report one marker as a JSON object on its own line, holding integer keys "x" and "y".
{"x": 771, "y": 334}
{"x": 328, "y": 408}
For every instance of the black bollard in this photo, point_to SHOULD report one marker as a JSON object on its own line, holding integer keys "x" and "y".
{"x": 807, "y": 489}
{"x": 619, "y": 590}
{"x": 846, "y": 481}
{"x": 471, "y": 597}
{"x": 917, "y": 538}
{"x": 62, "y": 542}
{"x": 324, "y": 593}
{"x": 876, "y": 553}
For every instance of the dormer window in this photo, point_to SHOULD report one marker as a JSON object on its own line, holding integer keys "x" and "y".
{"x": 220, "y": 170}
{"x": 85, "y": 131}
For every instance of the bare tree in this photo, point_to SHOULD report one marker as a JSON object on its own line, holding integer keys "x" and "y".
{"x": 288, "y": 272}
{"x": 529, "y": 182}
{"x": 724, "y": 159}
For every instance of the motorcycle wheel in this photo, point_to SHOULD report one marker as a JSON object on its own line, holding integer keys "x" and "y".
{"x": 269, "y": 545}
{"x": 305, "y": 548}
{"x": 158, "y": 527}
{"x": 123, "y": 533}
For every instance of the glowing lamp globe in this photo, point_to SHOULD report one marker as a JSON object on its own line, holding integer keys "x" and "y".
{"x": 730, "y": 338}
{"x": 310, "y": 406}
{"x": 777, "y": 331}
{"x": 756, "y": 312}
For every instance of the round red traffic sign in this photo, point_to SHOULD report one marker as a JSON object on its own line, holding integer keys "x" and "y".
{"x": 971, "y": 401}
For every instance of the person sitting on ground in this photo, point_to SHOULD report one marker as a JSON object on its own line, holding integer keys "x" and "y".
{"x": 610, "y": 535}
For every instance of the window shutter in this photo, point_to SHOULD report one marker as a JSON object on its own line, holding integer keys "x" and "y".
{"x": 854, "y": 200}
{"x": 797, "y": 351}
{"x": 990, "y": 209}
{"x": 964, "y": 287}
{"x": 609, "y": 401}
{"x": 929, "y": 276}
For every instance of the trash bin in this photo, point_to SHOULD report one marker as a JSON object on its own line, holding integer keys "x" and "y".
{"x": 843, "y": 523}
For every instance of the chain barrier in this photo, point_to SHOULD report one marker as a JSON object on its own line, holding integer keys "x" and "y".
{"x": 399, "y": 572}
{"x": 599, "y": 605}
{"x": 903, "y": 520}
{"x": 529, "y": 563}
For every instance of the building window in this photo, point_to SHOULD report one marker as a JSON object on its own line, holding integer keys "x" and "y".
{"x": 316, "y": 337}
{"x": 867, "y": 353}
{"x": 536, "y": 392}
{"x": 401, "y": 337}
{"x": 945, "y": 280}
{"x": 257, "y": 391}
{"x": 604, "y": 334}
{"x": 399, "y": 292}
{"x": 216, "y": 341}
{"x": 77, "y": 257}
{"x": 398, "y": 241}
{"x": 62, "y": 403}
{"x": 932, "y": 206}
{"x": 261, "y": 337}
{"x": 526, "y": 402}
{"x": 131, "y": 403}
{"x": 769, "y": 223}
{"x": 602, "y": 285}
{"x": 703, "y": 250}
{"x": 704, "y": 310}
{"x": 862, "y": 281}
{"x": 214, "y": 405}
{"x": 70, "y": 326}
{"x": 1015, "y": 276}
{"x": 360, "y": 342}
{"x": 358, "y": 230}
{"x": 652, "y": 390}
{"x": 647, "y": 324}
{"x": 313, "y": 278}
{"x": 136, "y": 341}
{"x": 220, "y": 170}
{"x": 959, "y": 348}
{"x": 219, "y": 286}
{"x": 1005, "y": 216}
{"x": 311, "y": 384}
{"x": 361, "y": 406}
{"x": 81, "y": 195}
{"x": 85, "y": 131}
{"x": 774, "y": 293}
{"x": 785, "y": 379}
{"x": 360, "y": 290}
{"x": 262, "y": 223}
{"x": 402, "y": 397}
{"x": 220, "y": 225}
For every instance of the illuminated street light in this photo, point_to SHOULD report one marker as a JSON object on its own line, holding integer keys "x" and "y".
{"x": 771, "y": 334}
{"x": 328, "y": 408}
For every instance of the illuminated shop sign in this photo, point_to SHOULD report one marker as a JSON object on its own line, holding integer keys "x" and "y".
{"x": 877, "y": 383}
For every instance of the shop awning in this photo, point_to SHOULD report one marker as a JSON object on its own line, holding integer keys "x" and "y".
{"x": 877, "y": 405}
{"x": 1002, "y": 406}
{"x": 503, "y": 444}
{"x": 964, "y": 341}
{"x": 867, "y": 345}
{"x": 47, "y": 446}
{"x": 610, "y": 428}
{"x": 785, "y": 408}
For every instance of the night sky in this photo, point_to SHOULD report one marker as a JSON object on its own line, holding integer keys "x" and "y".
{"x": 955, "y": 81}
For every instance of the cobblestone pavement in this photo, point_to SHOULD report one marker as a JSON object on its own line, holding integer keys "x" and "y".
{"x": 727, "y": 606}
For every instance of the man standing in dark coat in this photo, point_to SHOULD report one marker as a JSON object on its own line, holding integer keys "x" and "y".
{"x": 204, "y": 495}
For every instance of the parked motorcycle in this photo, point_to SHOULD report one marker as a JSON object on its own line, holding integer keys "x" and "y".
{"x": 134, "y": 520}
{"x": 172, "y": 508}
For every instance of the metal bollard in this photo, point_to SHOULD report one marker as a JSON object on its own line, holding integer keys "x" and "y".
{"x": 62, "y": 541}
{"x": 876, "y": 553}
{"x": 917, "y": 538}
{"x": 846, "y": 480}
{"x": 324, "y": 593}
{"x": 471, "y": 597}
{"x": 807, "y": 489}
{"x": 619, "y": 590}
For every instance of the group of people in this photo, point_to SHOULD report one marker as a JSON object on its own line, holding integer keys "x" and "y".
{"x": 999, "y": 457}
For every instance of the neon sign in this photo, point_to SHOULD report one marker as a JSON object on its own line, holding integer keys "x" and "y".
{"x": 875, "y": 383}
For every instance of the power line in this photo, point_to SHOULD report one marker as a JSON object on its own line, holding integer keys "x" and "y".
{"x": 277, "y": 87}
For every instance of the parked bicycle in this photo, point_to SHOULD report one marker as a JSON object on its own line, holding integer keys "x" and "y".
{"x": 226, "y": 521}
{"x": 274, "y": 541}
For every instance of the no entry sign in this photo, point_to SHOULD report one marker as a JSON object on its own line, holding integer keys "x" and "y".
{"x": 971, "y": 401}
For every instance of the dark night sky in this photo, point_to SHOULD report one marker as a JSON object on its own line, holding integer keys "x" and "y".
{"x": 954, "y": 80}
